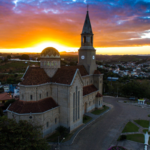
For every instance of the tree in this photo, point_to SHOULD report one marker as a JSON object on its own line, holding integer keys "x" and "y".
{"x": 25, "y": 57}
{"x": 20, "y": 136}
{"x": 1, "y": 112}
{"x": 9, "y": 102}
{"x": 8, "y": 56}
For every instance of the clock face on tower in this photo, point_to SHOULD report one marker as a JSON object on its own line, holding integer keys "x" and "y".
{"x": 93, "y": 57}
{"x": 82, "y": 57}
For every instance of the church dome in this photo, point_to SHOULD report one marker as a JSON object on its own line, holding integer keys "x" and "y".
{"x": 50, "y": 52}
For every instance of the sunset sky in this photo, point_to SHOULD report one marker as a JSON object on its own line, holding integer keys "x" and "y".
{"x": 119, "y": 26}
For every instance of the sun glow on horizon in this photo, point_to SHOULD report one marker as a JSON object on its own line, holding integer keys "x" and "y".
{"x": 38, "y": 48}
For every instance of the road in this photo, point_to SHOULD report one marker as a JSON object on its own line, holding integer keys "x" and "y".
{"x": 104, "y": 131}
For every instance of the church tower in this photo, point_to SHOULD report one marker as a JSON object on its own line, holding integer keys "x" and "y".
{"x": 87, "y": 52}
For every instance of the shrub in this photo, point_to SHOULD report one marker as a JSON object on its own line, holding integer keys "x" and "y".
{"x": 104, "y": 106}
{"x": 123, "y": 137}
{"x": 62, "y": 130}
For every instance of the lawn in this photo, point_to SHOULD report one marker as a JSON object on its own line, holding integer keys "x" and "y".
{"x": 99, "y": 111}
{"x": 130, "y": 127}
{"x": 86, "y": 119}
{"x": 15, "y": 67}
{"x": 136, "y": 137}
{"x": 143, "y": 123}
{"x": 146, "y": 130}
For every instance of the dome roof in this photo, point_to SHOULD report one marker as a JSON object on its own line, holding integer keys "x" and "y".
{"x": 50, "y": 52}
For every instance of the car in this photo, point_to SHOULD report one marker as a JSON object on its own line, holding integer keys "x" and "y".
{"x": 132, "y": 98}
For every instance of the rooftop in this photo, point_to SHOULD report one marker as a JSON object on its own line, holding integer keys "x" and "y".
{"x": 89, "y": 89}
{"x": 33, "y": 106}
{"x": 5, "y": 96}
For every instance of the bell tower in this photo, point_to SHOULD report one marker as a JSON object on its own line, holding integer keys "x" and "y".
{"x": 87, "y": 52}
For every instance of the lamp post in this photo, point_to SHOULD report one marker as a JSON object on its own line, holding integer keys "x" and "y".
{"x": 58, "y": 148}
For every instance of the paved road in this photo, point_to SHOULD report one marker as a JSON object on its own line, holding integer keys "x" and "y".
{"x": 103, "y": 132}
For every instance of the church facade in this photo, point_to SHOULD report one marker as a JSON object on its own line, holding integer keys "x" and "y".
{"x": 53, "y": 96}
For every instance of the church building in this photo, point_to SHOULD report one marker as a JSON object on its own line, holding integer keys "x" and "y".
{"x": 53, "y": 96}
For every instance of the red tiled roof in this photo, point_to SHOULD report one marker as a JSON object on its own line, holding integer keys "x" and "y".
{"x": 33, "y": 106}
{"x": 64, "y": 75}
{"x": 97, "y": 72}
{"x": 99, "y": 95}
{"x": 89, "y": 89}
{"x": 35, "y": 76}
{"x": 5, "y": 96}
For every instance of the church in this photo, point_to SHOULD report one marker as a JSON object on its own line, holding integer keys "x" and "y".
{"x": 53, "y": 96}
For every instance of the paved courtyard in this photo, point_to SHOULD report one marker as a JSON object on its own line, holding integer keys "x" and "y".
{"x": 103, "y": 132}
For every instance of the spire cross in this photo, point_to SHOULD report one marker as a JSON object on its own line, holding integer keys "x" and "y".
{"x": 87, "y": 7}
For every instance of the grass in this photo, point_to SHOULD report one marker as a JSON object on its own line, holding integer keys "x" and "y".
{"x": 136, "y": 137}
{"x": 15, "y": 67}
{"x": 86, "y": 119}
{"x": 143, "y": 123}
{"x": 146, "y": 130}
{"x": 130, "y": 127}
{"x": 99, "y": 111}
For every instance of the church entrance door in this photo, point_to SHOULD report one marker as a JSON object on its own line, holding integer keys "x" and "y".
{"x": 85, "y": 107}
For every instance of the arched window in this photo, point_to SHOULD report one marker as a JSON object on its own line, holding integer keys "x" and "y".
{"x": 55, "y": 120}
{"x": 31, "y": 97}
{"x": 40, "y": 96}
{"x": 84, "y": 39}
{"x": 47, "y": 124}
{"x": 91, "y": 39}
{"x": 22, "y": 96}
{"x": 73, "y": 107}
{"x": 78, "y": 104}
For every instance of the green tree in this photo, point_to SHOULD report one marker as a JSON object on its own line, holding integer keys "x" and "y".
{"x": 20, "y": 136}
{"x": 25, "y": 57}
{"x": 1, "y": 112}
{"x": 8, "y": 56}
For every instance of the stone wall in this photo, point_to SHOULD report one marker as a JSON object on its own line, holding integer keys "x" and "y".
{"x": 37, "y": 92}
{"x": 48, "y": 120}
{"x": 76, "y": 86}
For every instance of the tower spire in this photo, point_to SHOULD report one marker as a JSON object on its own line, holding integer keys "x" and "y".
{"x": 87, "y": 29}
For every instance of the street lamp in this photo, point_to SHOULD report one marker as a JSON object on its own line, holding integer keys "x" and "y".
{"x": 60, "y": 142}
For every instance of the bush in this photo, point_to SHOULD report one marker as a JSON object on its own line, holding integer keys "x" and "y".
{"x": 25, "y": 57}
{"x": 62, "y": 130}
{"x": 8, "y": 56}
{"x": 104, "y": 106}
{"x": 123, "y": 137}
